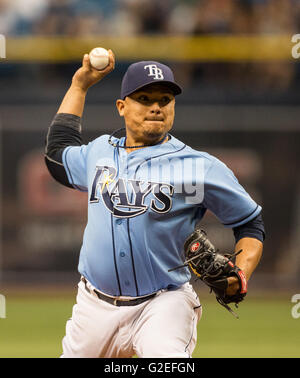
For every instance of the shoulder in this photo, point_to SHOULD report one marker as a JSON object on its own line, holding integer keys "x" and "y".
{"x": 98, "y": 143}
{"x": 93, "y": 147}
{"x": 189, "y": 152}
{"x": 212, "y": 167}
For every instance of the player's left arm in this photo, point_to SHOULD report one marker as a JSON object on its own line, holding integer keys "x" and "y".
{"x": 247, "y": 261}
{"x": 251, "y": 255}
{"x": 249, "y": 239}
{"x": 234, "y": 207}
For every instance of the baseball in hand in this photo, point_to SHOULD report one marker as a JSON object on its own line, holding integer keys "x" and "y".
{"x": 99, "y": 58}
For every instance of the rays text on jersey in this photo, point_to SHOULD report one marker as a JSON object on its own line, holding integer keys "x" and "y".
{"x": 126, "y": 198}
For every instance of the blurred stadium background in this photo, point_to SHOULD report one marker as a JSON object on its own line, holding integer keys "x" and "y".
{"x": 240, "y": 103}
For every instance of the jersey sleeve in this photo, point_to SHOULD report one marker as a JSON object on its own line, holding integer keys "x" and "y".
{"x": 226, "y": 198}
{"x": 75, "y": 162}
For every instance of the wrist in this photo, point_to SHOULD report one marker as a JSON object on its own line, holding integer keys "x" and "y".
{"x": 78, "y": 89}
{"x": 245, "y": 269}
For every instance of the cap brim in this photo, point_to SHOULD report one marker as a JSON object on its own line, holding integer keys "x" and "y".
{"x": 176, "y": 89}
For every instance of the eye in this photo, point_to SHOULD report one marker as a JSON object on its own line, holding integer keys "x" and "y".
{"x": 165, "y": 100}
{"x": 143, "y": 98}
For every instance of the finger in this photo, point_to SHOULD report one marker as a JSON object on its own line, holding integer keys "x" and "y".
{"x": 111, "y": 65}
{"x": 233, "y": 285}
{"x": 86, "y": 61}
{"x": 231, "y": 280}
{"x": 112, "y": 57}
{"x": 111, "y": 60}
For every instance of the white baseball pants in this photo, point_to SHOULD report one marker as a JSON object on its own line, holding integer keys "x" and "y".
{"x": 162, "y": 327}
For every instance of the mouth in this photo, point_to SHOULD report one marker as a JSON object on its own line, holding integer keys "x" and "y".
{"x": 154, "y": 119}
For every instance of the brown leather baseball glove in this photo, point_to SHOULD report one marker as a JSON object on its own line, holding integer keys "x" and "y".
{"x": 214, "y": 268}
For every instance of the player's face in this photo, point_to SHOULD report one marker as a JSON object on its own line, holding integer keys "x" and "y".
{"x": 148, "y": 113}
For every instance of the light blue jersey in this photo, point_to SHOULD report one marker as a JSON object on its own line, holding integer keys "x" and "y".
{"x": 143, "y": 205}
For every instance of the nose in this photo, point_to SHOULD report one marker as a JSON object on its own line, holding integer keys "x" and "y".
{"x": 155, "y": 107}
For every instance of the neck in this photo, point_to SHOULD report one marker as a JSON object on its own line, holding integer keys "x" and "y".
{"x": 132, "y": 144}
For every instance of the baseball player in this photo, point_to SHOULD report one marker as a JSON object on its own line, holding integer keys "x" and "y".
{"x": 146, "y": 192}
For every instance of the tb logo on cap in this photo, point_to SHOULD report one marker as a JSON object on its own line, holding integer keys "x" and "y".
{"x": 154, "y": 71}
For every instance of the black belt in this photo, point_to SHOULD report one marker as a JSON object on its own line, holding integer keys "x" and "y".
{"x": 117, "y": 302}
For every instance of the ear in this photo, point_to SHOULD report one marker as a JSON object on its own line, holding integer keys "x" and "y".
{"x": 120, "y": 106}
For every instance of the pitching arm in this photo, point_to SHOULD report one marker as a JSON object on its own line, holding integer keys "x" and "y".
{"x": 86, "y": 76}
{"x": 64, "y": 131}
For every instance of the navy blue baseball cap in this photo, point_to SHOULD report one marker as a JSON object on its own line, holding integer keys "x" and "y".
{"x": 140, "y": 74}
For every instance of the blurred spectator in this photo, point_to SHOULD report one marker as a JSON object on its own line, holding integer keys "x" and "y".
{"x": 242, "y": 18}
{"x": 149, "y": 17}
{"x": 17, "y": 17}
{"x": 246, "y": 17}
{"x": 182, "y": 17}
{"x": 274, "y": 17}
{"x": 124, "y": 21}
{"x": 92, "y": 17}
{"x": 166, "y": 17}
{"x": 8, "y": 17}
{"x": 213, "y": 16}
{"x": 152, "y": 15}
{"x": 58, "y": 20}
